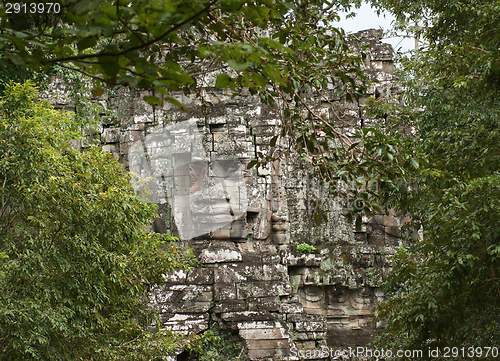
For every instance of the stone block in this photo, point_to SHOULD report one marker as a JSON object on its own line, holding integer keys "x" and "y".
{"x": 300, "y": 259}
{"x": 392, "y": 231}
{"x": 238, "y": 230}
{"x": 237, "y": 126}
{"x": 305, "y": 344}
{"x": 145, "y": 118}
{"x": 335, "y": 312}
{"x": 279, "y": 238}
{"x": 183, "y": 293}
{"x": 310, "y": 326}
{"x": 349, "y": 334}
{"x": 185, "y": 323}
{"x": 178, "y": 276}
{"x": 391, "y": 240}
{"x": 200, "y": 276}
{"x": 254, "y": 112}
{"x": 229, "y": 273}
{"x": 377, "y": 222}
{"x": 315, "y": 310}
{"x": 268, "y": 344}
{"x": 230, "y": 306}
{"x": 279, "y": 226}
{"x": 264, "y": 131}
{"x": 292, "y": 308}
{"x": 110, "y": 135}
{"x": 310, "y": 335}
{"x": 271, "y": 304}
{"x": 132, "y": 136}
{"x": 217, "y": 120}
{"x": 266, "y": 139}
{"x": 221, "y": 234}
{"x": 307, "y": 276}
{"x": 269, "y": 119}
{"x": 361, "y": 237}
{"x": 108, "y": 120}
{"x": 300, "y": 317}
{"x": 224, "y": 291}
{"x": 366, "y": 310}
{"x": 220, "y": 255}
{"x": 251, "y": 271}
{"x": 259, "y": 324}
{"x": 269, "y": 354}
{"x": 262, "y": 333}
{"x": 350, "y": 310}
{"x": 262, "y": 289}
{"x": 186, "y": 307}
{"x": 250, "y": 319}
{"x": 390, "y": 221}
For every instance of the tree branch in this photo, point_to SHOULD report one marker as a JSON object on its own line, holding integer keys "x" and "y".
{"x": 144, "y": 45}
{"x": 494, "y": 279}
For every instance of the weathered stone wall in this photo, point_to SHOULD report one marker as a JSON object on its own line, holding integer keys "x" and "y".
{"x": 252, "y": 281}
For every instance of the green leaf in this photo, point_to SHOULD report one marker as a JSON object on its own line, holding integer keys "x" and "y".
{"x": 238, "y": 65}
{"x": 358, "y": 222}
{"x": 223, "y": 81}
{"x": 252, "y": 163}
{"x": 153, "y": 100}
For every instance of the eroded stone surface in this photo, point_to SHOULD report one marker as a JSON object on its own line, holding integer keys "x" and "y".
{"x": 250, "y": 278}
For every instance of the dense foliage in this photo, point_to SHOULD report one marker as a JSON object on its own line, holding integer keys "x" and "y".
{"x": 76, "y": 261}
{"x": 463, "y": 37}
{"x": 167, "y": 45}
{"x": 444, "y": 289}
{"x": 221, "y": 345}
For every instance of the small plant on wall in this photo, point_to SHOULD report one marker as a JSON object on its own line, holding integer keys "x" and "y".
{"x": 306, "y": 248}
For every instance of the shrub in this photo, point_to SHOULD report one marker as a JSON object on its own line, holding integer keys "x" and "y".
{"x": 306, "y": 248}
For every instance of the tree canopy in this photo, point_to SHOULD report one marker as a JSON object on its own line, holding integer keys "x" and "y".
{"x": 463, "y": 37}
{"x": 76, "y": 261}
{"x": 166, "y": 45}
{"x": 444, "y": 288}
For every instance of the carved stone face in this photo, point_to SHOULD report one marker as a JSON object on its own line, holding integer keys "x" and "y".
{"x": 205, "y": 194}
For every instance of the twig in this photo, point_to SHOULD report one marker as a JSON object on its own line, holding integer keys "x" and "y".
{"x": 342, "y": 137}
{"x": 495, "y": 279}
{"x": 157, "y": 39}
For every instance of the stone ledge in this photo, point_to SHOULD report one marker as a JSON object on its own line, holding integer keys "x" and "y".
{"x": 185, "y": 323}
{"x": 300, "y": 259}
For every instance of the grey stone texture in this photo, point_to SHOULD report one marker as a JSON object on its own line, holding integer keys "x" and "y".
{"x": 250, "y": 279}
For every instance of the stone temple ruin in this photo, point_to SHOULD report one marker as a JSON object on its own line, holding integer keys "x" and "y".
{"x": 252, "y": 281}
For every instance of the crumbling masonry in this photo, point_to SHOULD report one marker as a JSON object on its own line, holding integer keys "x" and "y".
{"x": 252, "y": 281}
